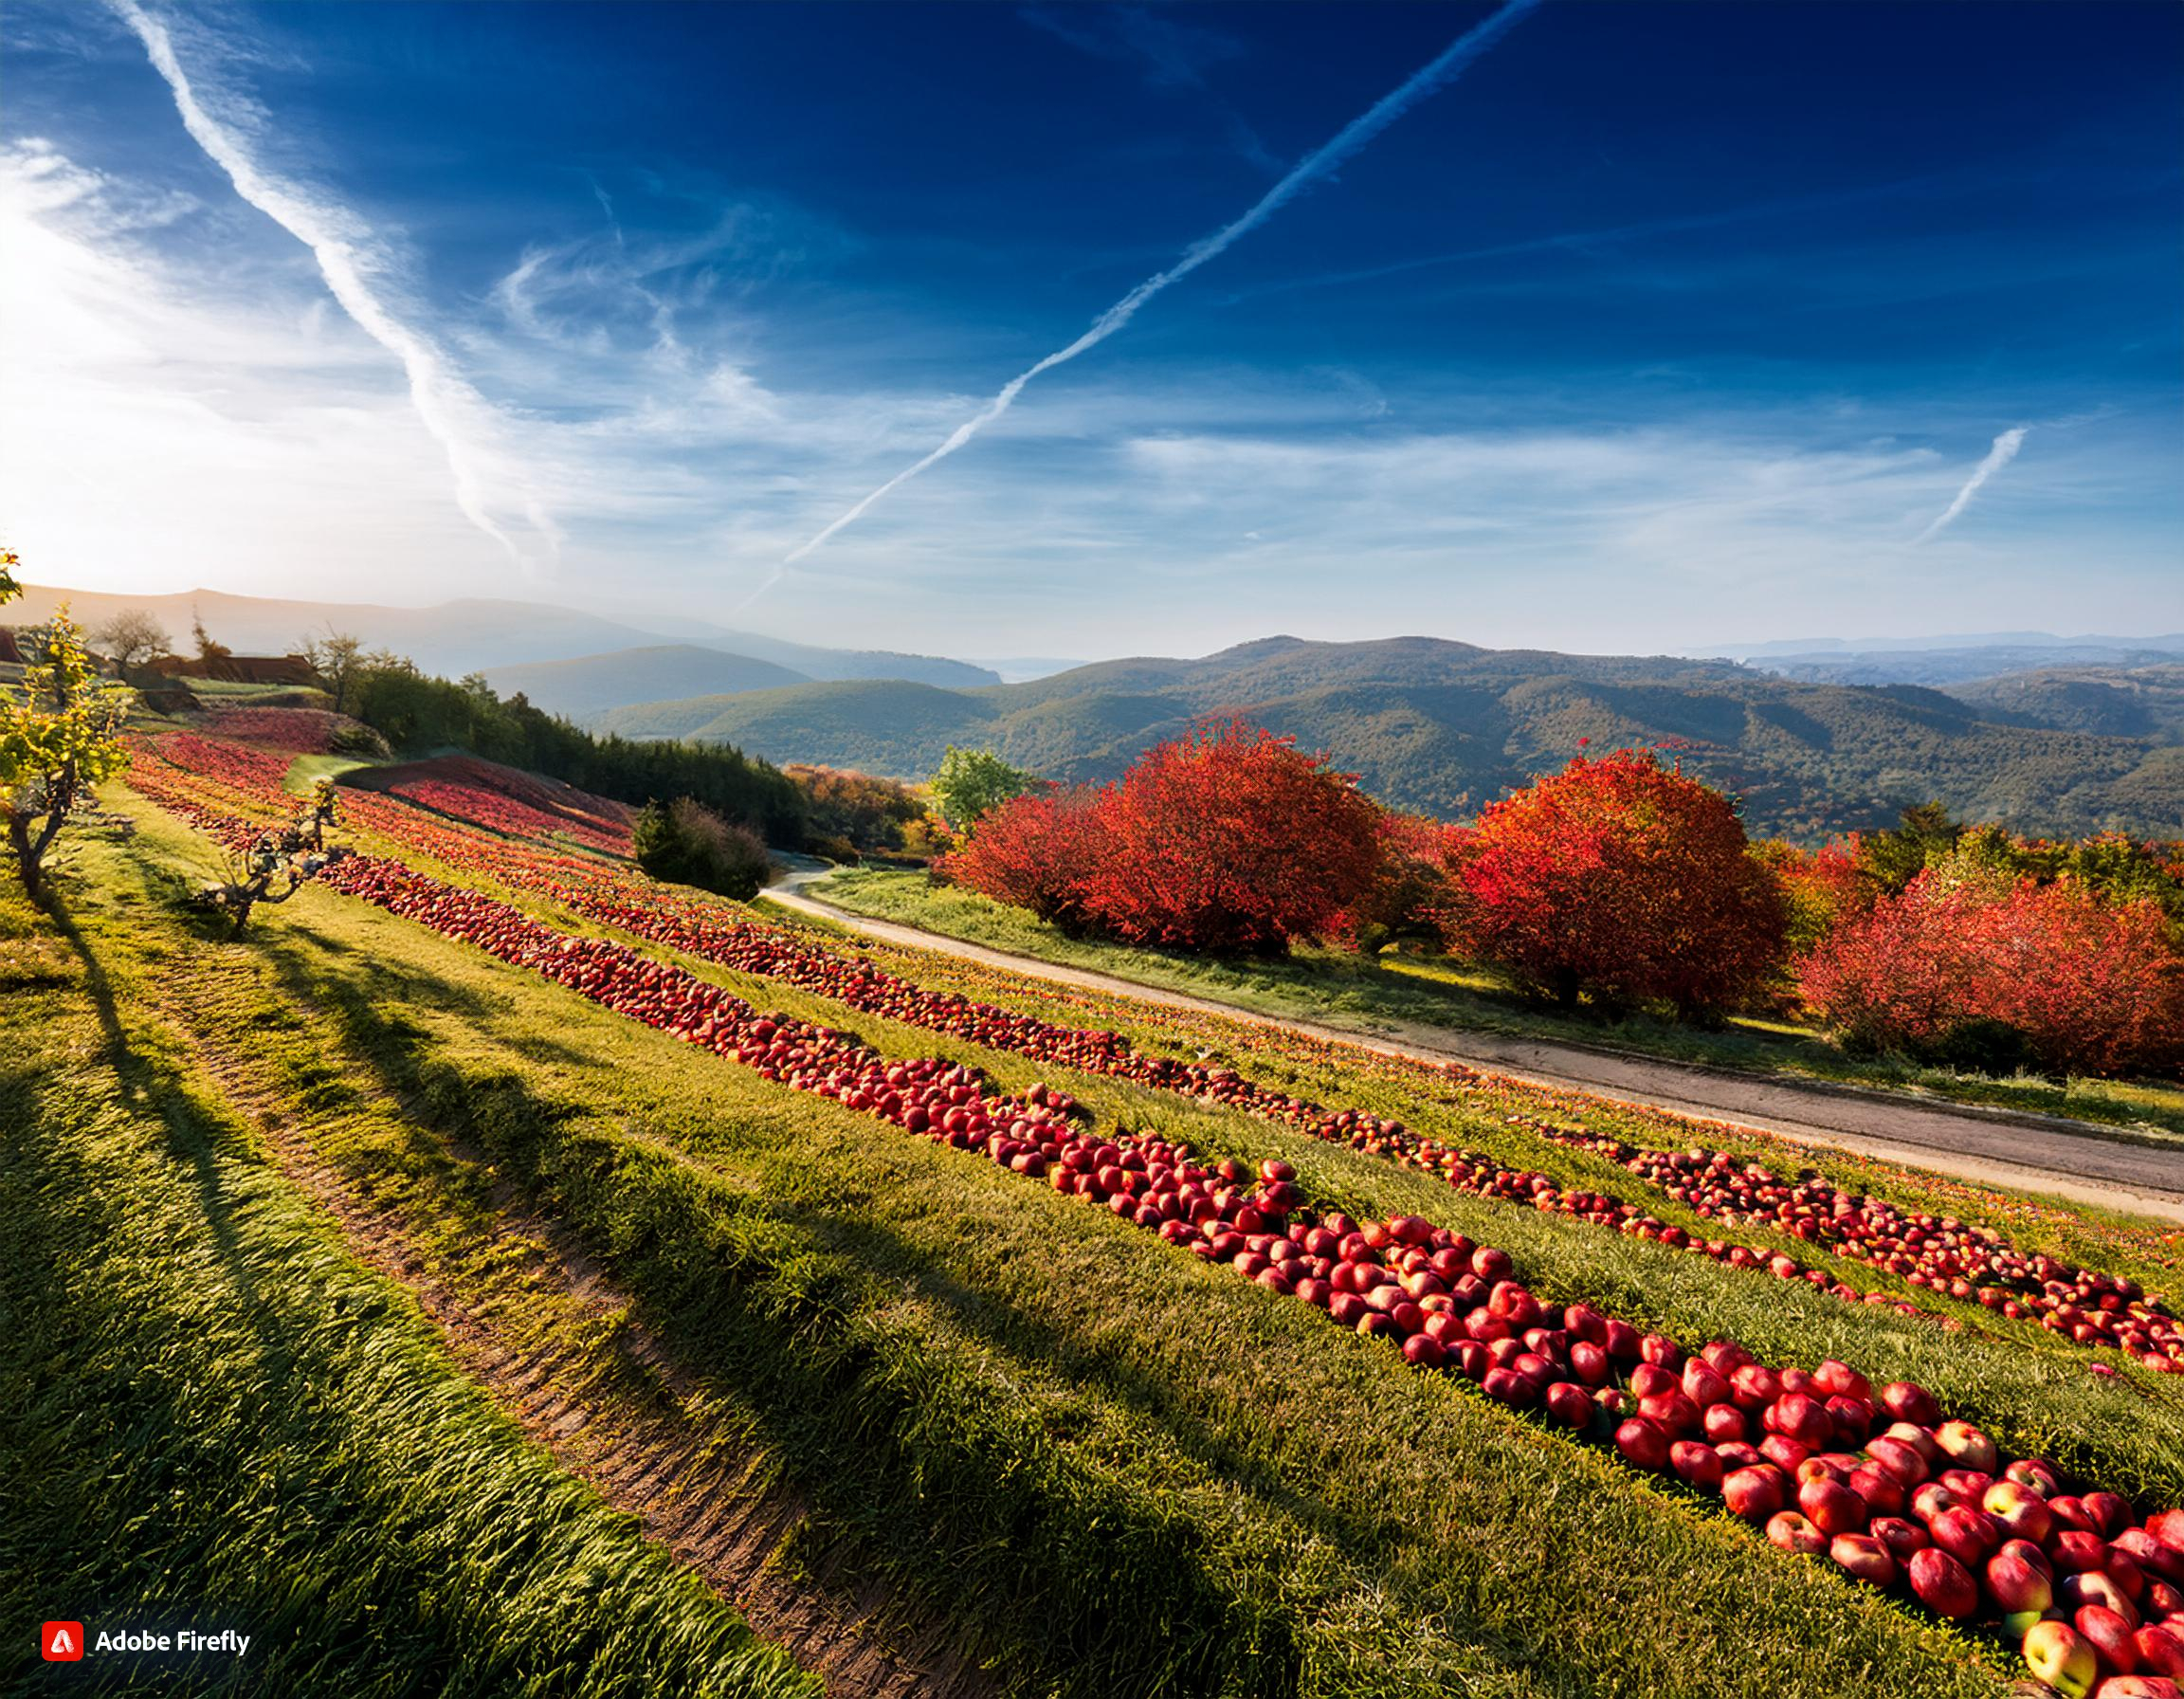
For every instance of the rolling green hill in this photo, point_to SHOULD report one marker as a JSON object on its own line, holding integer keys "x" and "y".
{"x": 591, "y": 683}
{"x": 2124, "y": 701}
{"x": 1446, "y": 728}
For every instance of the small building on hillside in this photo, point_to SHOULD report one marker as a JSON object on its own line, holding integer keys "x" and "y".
{"x": 10, "y": 653}
{"x": 238, "y": 670}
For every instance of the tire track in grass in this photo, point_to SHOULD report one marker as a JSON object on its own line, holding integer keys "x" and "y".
{"x": 621, "y": 1415}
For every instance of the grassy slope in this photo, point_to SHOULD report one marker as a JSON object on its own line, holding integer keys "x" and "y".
{"x": 938, "y": 1354}
{"x": 1338, "y": 989}
{"x": 210, "y": 1415}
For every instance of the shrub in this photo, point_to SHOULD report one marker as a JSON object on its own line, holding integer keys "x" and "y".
{"x": 1974, "y": 968}
{"x": 1621, "y": 878}
{"x": 1231, "y": 840}
{"x": 687, "y": 843}
{"x": 1038, "y": 852}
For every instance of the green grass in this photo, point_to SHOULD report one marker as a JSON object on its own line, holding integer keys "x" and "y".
{"x": 1378, "y": 994}
{"x": 210, "y": 1415}
{"x": 1121, "y": 1471}
{"x": 307, "y": 768}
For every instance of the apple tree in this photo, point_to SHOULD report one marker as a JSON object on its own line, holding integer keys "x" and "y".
{"x": 60, "y": 735}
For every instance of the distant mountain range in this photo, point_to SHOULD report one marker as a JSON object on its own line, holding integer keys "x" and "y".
{"x": 1948, "y": 660}
{"x": 2047, "y": 734}
{"x": 461, "y": 637}
{"x": 1447, "y": 726}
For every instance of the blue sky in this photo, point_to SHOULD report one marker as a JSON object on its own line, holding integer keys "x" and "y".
{"x": 1654, "y": 328}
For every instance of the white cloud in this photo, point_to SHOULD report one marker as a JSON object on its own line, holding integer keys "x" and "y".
{"x": 356, "y": 272}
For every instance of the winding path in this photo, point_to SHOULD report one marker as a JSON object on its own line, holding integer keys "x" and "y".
{"x": 2046, "y": 1155}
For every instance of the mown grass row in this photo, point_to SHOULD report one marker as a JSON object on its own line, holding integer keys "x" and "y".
{"x": 1130, "y": 1472}
{"x": 212, "y": 1417}
{"x": 1346, "y": 990}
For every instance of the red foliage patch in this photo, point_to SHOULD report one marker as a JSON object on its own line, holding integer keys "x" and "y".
{"x": 1623, "y": 878}
{"x": 1228, "y": 840}
{"x": 2093, "y": 987}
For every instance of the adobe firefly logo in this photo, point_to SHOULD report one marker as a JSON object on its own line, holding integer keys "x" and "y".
{"x": 62, "y": 1642}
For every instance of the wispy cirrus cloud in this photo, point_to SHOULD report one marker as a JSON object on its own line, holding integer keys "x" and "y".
{"x": 354, "y": 270}
{"x": 1358, "y": 133}
{"x": 2000, "y": 455}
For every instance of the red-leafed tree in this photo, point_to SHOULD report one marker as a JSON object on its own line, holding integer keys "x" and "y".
{"x": 1985, "y": 970}
{"x": 1228, "y": 840}
{"x": 1039, "y": 852}
{"x": 1621, "y": 878}
{"x": 1231, "y": 840}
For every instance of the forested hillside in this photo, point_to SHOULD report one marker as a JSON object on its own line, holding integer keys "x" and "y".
{"x": 1447, "y": 726}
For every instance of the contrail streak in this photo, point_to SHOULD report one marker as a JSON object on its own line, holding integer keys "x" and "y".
{"x": 433, "y": 393}
{"x": 2000, "y": 455}
{"x": 1452, "y": 61}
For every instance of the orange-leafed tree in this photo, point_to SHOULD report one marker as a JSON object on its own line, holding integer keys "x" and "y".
{"x": 1621, "y": 878}
{"x": 1231, "y": 840}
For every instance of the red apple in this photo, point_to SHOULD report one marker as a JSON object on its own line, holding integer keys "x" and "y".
{"x": 2160, "y": 1650}
{"x": 1931, "y": 1499}
{"x": 1754, "y": 1386}
{"x": 1882, "y": 1492}
{"x": 1754, "y": 1493}
{"x": 2019, "y": 1509}
{"x": 1899, "y": 1459}
{"x": 2033, "y": 1472}
{"x": 1910, "y": 1403}
{"x": 1901, "y": 1538}
{"x": 1570, "y": 1404}
{"x": 1643, "y": 1443}
{"x": 1701, "y": 1465}
{"x": 1839, "y": 1379}
{"x": 2137, "y": 1687}
{"x": 1919, "y": 1439}
{"x": 1865, "y": 1557}
{"x": 1965, "y": 1447}
{"x": 2073, "y": 1550}
{"x": 2089, "y": 1586}
{"x": 1943, "y": 1585}
{"x": 1794, "y": 1532}
{"x": 2023, "y": 1593}
{"x": 2111, "y": 1513}
{"x": 1969, "y": 1536}
{"x": 2110, "y": 1635}
{"x": 1853, "y": 1420}
{"x": 2152, "y": 1555}
{"x": 1833, "y": 1508}
{"x": 1649, "y": 1379}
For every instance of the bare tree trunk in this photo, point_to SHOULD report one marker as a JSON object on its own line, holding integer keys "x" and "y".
{"x": 26, "y": 855}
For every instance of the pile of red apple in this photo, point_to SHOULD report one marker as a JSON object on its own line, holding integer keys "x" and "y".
{"x": 1879, "y": 1483}
{"x": 1941, "y": 1253}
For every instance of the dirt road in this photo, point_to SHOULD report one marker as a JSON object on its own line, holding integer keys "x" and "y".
{"x": 2041, "y": 1154}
